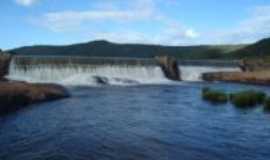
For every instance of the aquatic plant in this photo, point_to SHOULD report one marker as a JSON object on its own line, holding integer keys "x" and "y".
{"x": 247, "y": 99}
{"x": 267, "y": 104}
{"x": 214, "y": 96}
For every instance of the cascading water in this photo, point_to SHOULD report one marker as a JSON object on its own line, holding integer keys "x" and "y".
{"x": 68, "y": 71}
{"x": 83, "y": 74}
{"x": 193, "y": 73}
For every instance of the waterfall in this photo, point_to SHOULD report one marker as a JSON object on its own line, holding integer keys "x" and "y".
{"x": 69, "y": 71}
{"x": 86, "y": 74}
{"x": 193, "y": 73}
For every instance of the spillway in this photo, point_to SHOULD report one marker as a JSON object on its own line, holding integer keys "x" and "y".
{"x": 99, "y": 71}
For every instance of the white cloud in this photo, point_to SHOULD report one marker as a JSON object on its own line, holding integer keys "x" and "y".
{"x": 167, "y": 37}
{"x": 121, "y": 37}
{"x": 129, "y": 19}
{"x": 68, "y": 20}
{"x": 259, "y": 24}
{"x": 138, "y": 11}
{"x": 25, "y": 2}
{"x": 249, "y": 30}
{"x": 190, "y": 33}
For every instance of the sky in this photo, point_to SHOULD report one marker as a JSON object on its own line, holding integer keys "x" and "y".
{"x": 166, "y": 22}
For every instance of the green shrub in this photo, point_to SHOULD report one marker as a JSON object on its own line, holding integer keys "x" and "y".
{"x": 214, "y": 96}
{"x": 267, "y": 104}
{"x": 261, "y": 96}
{"x": 246, "y": 99}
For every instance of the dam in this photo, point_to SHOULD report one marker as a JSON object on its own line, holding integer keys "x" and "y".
{"x": 114, "y": 71}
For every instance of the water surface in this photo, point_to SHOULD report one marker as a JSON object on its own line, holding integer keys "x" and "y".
{"x": 159, "y": 122}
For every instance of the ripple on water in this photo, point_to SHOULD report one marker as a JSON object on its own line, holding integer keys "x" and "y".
{"x": 138, "y": 122}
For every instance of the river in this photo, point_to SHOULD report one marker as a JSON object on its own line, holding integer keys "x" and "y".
{"x": 137, "y": 115}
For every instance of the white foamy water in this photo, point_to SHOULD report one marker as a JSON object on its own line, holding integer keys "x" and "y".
{"x": 88, "y": 74}
{"x": 193, "y": 73}
{"x": 82, "y": 74}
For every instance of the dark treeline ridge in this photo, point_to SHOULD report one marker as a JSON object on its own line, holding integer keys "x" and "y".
{"x": 104, "y": 48}
{"x": 259, "y": 49}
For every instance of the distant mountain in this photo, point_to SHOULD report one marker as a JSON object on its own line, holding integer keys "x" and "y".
{"x": 107, "y": 49}
{"x": 258, "y": 49}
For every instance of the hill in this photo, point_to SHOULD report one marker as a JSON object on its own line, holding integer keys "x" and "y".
{"x": 107, "y": 49}
{"x": 258, "y": 49}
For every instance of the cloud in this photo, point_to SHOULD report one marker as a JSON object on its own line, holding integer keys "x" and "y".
{"x": 258, "y": 25}
{"x": 126, "y": 21}
{"x": 121, "y": 37}
{"x": 138, "y": 12}
{"x": 168, "y": 37}
{"x": 68, "y": 20}
{"x": 190, "y": 33}
{"x": 26, "y": 2}
{"x": 249, "y": 30}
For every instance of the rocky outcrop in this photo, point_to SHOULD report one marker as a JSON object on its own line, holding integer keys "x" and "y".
{"x": 169, "y": 67}
{"x": 5, "y": 60}
{"x": 16, "y": 95}
{"x": 258, "y": 77}
{"x": 252, "y": 65}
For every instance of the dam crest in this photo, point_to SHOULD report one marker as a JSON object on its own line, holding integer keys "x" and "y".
{"x": 99, "y": 71}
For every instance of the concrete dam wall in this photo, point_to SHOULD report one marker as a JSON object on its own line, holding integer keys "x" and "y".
{"x": 96, "y": 70}
{"x": 62, "y": 60}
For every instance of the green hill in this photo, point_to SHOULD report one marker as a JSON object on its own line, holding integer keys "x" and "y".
{"x": 258, "y": 49}
{"x": 107, "y": 49}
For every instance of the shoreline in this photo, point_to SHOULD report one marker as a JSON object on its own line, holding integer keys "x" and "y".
{"x": 18, "y": 94}
{"x": 255, "y": 77}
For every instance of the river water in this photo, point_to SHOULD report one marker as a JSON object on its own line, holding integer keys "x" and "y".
{"x": 159, "y": 122}
{"x": 136, "y": 115}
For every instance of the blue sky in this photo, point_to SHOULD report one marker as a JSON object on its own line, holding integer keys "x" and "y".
{"x": 168, "y": 22}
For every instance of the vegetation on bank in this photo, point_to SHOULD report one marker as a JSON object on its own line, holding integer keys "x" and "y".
{"x": 246, "y": 99}
{"x": 242, "y": 99}
{"x": 258, "y": 49}
{"x": 267, "y": 104}
{"x": 214, "y": 96}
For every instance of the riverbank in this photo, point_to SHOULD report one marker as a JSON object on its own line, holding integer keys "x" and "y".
{"x": 17, "y": 94}
{"x": 255, "y": 77}
{"x": 253, "y": 72}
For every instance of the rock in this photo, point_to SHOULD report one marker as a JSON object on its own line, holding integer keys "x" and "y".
{"x": 258, "y": 77}
{"x": 101, "y": 80}
{"x": 252, "y": 65}
{"x": 5, "y": 60}
{"x": 15, "y": 95}
{"x": 242, "y": 65}
{"x": 169, "y": 67}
